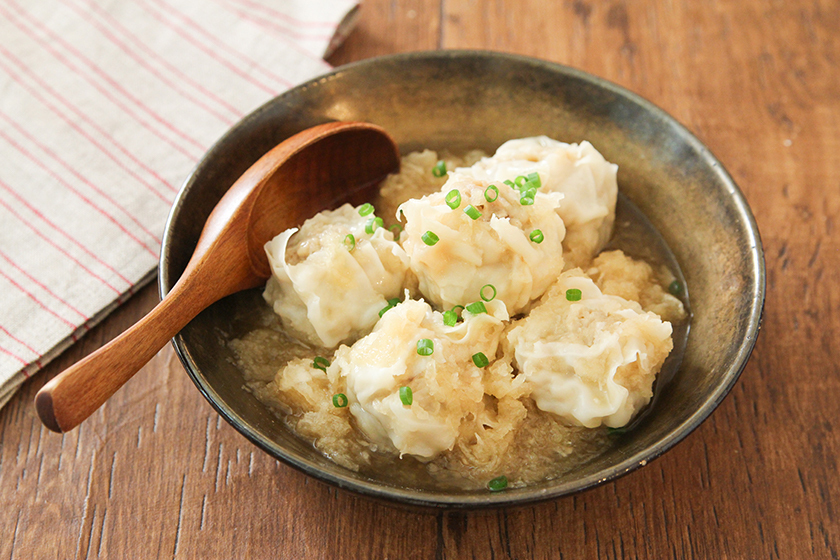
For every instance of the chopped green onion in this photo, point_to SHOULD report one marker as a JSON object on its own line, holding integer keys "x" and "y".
{"x": 477, "y": 307}
{"x": 520, "y": 181}
{"x": 339, "y": 400}
{"x": 537, "y": 236}
{"x": 453, "y": 199}
{"x": 399, "y": 229}
{"x": 526, "y": 200}
{"x": 425, "y": 347}
{"x": 616, "y": 431}
{"x": 509, "y": 183}
{"x": 429, "y": 238}
{"x": 450, "y": 318}
{"x": 573, "y": 294}
{"x": 391, "y": 303}
{"x": 675, "y": 288}
{"x": 406, "y": 397}
{"x": 350, "y": 242}
{"x": 480, "y": 360}
{"x": 487, "y": 298}
{"x": 491, "y": 193}
{"x": 472, "y": 212}
{"x": 365, "y": 209}
{"x": 534, "y": 180}
{"x": 321, "y": 363}
{"x": 373, "y": 224}
{"x": 439, "y": 170}
{"x": 498, "y": 484}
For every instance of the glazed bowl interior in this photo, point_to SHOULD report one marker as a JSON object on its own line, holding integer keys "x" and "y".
{"x": 465, "y": 99}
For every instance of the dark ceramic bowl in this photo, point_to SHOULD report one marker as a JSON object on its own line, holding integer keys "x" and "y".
{"x": 458, "y": 99}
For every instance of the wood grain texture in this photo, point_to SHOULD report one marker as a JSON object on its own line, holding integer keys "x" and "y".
{"x": 156, "y": 474}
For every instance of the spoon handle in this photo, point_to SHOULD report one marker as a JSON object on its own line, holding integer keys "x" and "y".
{"x": 77, "y": 392}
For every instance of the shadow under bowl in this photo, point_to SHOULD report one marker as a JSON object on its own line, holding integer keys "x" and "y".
{"x": 475, "y": 99}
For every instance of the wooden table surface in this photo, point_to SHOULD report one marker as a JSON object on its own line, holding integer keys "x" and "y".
{"x": 156, "y": 474}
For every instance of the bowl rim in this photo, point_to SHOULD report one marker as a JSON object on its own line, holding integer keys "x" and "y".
{"x": 519, "y": 496}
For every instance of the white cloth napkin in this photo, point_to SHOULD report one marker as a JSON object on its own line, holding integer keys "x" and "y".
{"x": 105, "y": 107}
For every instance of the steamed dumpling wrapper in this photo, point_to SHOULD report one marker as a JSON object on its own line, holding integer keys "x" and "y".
{"x": 591, "y": 361}
{"x": 446, "y": 386}
{"x": 493, "y": 249}
{"x": 326, "y": 293}
{"x": 578, "y": 171}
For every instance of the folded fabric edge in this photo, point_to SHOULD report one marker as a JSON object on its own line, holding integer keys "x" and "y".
{"x": 343, "y": 29}
{"x": 9, "y": 388}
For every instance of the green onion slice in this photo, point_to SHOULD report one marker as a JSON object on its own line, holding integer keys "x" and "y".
{"x": 520, "y": 181}
{"x": 526, "y": 200}
{"x": 477, "y": 307}
{"x": 616, "y": 431}
{"x": 365, "y": 209}
{"x": 425, "y": 347}
{"x": 472, "y": 212}
{"x": 396, "y": 233}
{"x": 391, "y": 303}
{"x": 350, "y": 242}
{"x": 339, "y": 400}
{"x": 509, "y": 183}
{"x": 320, "y": 363}
{"x": 439, "y": 170}
{"x": 406, "y": 397}
{"x": 489, "y": 297}
{"x": 450, "y": 318}
{"x": 537, "y": 236}
{"x": 429, "y": 238}
{"x": 491, "y": 193}
{"x": 534, "y": 180}
{"x": 573, "y": 294}
{"x": 498, "y": 484}
{"x": 453, "y": 199}
{"x": 373, "y": 224}
{"x": 675, "y": 288}
{"x": 480, "y": 360}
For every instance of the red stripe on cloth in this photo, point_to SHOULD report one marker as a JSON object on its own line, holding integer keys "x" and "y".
{"x": 173, "y": 84}
{"x": 281, "y": 37}
{"x": 43, "y": 86}
{"x": 22, "y": 343}
{"x": 64, "y": 234}
{"x": 286, "y": 17}
{"x": 38, "y": 163}
{"x": 245, "y": 61}
{"x": 139, "y": 44}
{"x": 15, "y": 356}
{"x": 41, "y": 304}
{"x": 107, "y": 78}
{"x": 76, "y": 174}
{"x": 43, "y": 286}
{"x": 283, "y": 31}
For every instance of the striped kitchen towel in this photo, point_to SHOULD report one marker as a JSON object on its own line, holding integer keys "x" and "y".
{"x": 105, "y": 107}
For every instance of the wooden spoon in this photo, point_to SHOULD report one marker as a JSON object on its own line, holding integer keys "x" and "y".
{"x": 321, "y": 167}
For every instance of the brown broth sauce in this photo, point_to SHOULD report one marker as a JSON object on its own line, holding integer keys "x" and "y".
{"x": 530, "y": 460}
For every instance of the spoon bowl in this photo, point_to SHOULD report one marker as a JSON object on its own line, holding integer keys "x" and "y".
{"x": 318, "y": 168}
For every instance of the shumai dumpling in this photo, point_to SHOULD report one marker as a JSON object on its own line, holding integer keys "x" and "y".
{"x": 579, "y": 171}
{"x": 620, "y": 275}
{"x": 515, "y": 248}
{"x": 591, "y": 360}
{"x": 329, "y": 288}
{"x": 446, "y": 385}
